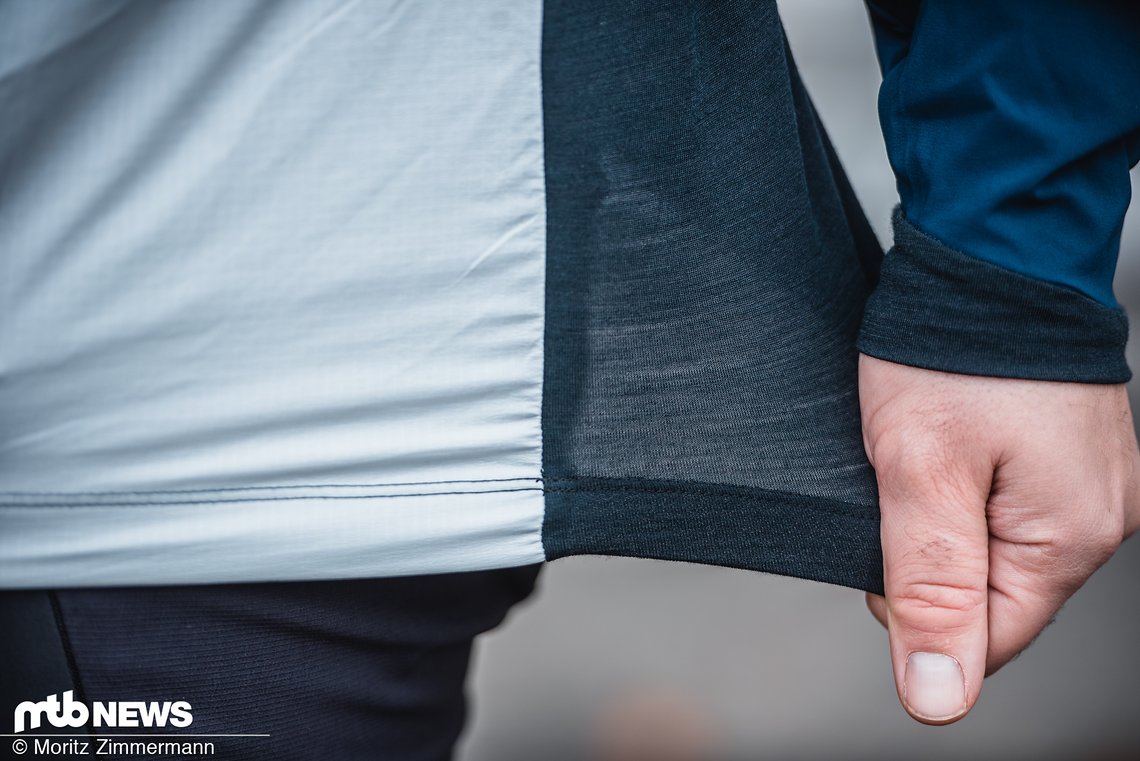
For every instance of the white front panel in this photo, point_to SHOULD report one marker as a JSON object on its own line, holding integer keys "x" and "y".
{"x": 258, "y": 246}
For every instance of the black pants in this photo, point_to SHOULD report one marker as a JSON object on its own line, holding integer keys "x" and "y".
{"x": 369, "y": 669}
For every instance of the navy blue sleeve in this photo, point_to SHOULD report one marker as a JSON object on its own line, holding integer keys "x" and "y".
{"x": 1011, "y": 127}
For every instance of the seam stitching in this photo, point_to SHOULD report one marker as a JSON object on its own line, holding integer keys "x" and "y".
{"x": 260, "y": 488}
{"x": 66, "y": 505}
{"x": 557, "y": 485}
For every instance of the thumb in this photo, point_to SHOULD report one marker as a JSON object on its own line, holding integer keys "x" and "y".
{"x": 935, "y": 551}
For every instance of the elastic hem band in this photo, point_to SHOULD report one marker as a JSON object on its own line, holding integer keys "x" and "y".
{"x": 940, "y": 309}
{"x": 738, "y": 527}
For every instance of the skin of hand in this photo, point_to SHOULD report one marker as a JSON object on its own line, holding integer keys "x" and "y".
{"x": 999, "y": 498}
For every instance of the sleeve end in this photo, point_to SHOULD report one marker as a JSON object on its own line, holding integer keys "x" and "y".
{"x": 940, "y": 309}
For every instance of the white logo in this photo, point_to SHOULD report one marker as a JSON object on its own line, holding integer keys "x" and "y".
{"x": 126, "y": 713}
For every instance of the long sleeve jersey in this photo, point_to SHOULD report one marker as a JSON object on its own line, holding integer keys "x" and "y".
{"x": 324, "y": 289}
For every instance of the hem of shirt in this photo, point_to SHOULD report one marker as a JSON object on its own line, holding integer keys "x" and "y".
{"x": 290, "y": 533}
{"x": 713, "y": 524}
{"x": 264, "y": 534}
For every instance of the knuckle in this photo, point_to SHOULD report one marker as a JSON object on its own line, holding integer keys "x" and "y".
{"x": 909, "y": 456}
{"x": 1100, "y": 542}
{"x": 934, "y": 604}
{"x": 1094, "y": 537}
{"x": 1076, "y": 552}
{"x": 1109, "y": 536}
{"x": 929, "y": 472}
{"x": 1131, "y": 522}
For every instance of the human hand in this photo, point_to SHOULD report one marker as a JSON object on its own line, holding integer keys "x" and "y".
{"x": 999, "y": 498}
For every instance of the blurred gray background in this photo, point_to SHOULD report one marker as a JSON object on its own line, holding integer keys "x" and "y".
{"x": 742, "y": 665}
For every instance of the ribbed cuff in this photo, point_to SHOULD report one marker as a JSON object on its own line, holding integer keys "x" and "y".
{"x": 940, "y": 309}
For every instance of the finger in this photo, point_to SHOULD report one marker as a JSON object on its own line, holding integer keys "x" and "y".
{"x": 1030, "y": 582}
{"x": 1021, "y": 604}
{"x": 1051, "y": 526}
{"x": 877, "y": 604}
{"x": 936, "y": 565}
